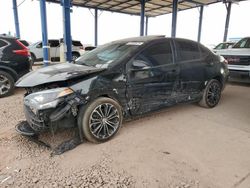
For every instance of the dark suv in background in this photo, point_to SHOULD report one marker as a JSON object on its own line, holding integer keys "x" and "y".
{"x": 15, "y": 61}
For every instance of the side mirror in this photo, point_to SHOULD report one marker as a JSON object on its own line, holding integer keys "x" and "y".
{"x": 230, "y": 46}
{"x": 139, "y": 64}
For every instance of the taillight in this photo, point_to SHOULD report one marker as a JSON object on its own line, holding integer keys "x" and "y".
{"x": 226, "y": 61}
{"x": 81, "y": 47}
{"x": 24, "y": 51}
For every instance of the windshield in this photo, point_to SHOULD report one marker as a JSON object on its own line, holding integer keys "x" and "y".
{"x": 243, "y": 43}
{"x": 105, "y": 55}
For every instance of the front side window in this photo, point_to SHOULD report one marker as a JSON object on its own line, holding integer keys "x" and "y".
{"x": 187, "y": 50}
{"x": 150, "y": 62}
{"x": 157, "y": 55}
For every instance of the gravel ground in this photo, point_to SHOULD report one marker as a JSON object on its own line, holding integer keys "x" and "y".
{"x": 182, "y": 147}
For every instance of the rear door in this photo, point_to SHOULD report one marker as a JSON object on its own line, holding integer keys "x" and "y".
{"x": 192, "y": 66}
{"x": 152, "y": 78}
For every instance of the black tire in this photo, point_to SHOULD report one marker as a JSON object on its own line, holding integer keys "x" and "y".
{"x": 211, "y": 94}
{"x": 33, "y": 58}
{"x": 75, "y": 56}
{"x": 100, "y": 120}
{"x": 6, "y": 84}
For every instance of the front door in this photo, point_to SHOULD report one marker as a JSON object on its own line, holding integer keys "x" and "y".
{"x": 152, "y": 78}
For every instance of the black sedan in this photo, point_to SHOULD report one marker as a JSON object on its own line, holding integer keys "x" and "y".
{"x": 121, "y": 80}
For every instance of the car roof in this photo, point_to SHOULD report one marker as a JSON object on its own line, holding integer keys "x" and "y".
{"x": 150, "y": 38}
{"x": 141, "y": 39}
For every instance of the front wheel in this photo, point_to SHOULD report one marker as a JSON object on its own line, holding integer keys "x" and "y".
{"x": 100, "y": 120}
{"x": 211, "y": 95}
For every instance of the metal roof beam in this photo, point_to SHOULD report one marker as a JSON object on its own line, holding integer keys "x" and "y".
{"x": 228, "y": 6}
{"x": 16, "y": 19}
{"x": 43, "y": 13}
{"x": 66, "y": 4}
{"x": 174, "y": 17}
{"x": 142, "y": 17}
{"x": 200, "y": 23}
{"x": 96, "y": 27}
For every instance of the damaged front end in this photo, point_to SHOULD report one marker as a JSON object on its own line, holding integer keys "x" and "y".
{"x": 50, "y": 110}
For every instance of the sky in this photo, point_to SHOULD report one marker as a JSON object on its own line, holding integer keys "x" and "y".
{"x": 112, "y": 26}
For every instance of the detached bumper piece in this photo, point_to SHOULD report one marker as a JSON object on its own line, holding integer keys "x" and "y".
{"x": 24, "y": 128}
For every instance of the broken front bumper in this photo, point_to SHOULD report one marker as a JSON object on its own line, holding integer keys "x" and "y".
{"x": 63, "y": 116}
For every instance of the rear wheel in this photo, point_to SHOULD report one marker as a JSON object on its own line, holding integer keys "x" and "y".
{"x": 33, "y": 58}
{"x": 75, "y": 56}
{"x": 100, "y": 120}
{"x": 211, "y": 95}
{"x": 6, "y": 84}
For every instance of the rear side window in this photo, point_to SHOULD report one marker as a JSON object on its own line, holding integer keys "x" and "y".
{"x": 157, "y": 54}
{"x": 3, "y": 43}
{"x": 76, "y": 43}
{"x": 187, "y": 50}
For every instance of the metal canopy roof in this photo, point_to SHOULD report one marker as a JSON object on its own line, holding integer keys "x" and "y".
{"x": 133, "y": 7}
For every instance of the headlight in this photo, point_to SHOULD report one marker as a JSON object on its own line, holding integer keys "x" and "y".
{"x": 46, "y": 99}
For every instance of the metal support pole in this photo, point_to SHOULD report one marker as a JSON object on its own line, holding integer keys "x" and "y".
{"x": 96, "y": 26}
{"x": 146, "y": 26}
{"x": 46, "y": 59}
{"x": 66, "y": 5}
{"x": 142, "y": 17}
{"x": 228, "y": 6}
{"x": 174, "y": 17}
{"x": 16, "y": 19}
{"x": 200, "y": 23}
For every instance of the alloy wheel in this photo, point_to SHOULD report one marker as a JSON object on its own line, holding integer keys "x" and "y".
{"x": 104, "y": 121}
{"x": 5, "y": 85}
{"x": 213, "y": 94}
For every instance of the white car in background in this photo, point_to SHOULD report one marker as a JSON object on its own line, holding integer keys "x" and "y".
{"x": 36, "y": 50}
{"x": 238, "y": 58}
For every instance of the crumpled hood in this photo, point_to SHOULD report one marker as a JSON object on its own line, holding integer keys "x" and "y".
{"x": 55, "y": 73}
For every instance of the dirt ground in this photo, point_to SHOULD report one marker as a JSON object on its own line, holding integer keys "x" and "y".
{"x": 185, "y": 146}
